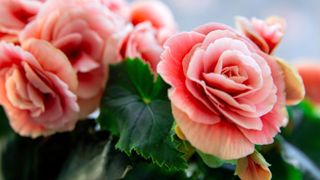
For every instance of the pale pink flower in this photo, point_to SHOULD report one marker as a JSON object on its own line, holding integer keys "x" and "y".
{"x": 37, "y": 85}
{"x": 80, "y": 28}
{"x": 157, "y": 13}
{"x": 141, "y": 41}
{"x": 15, "y": 15}
{"x": 267, "y": 34}
{"x": 119, "y": 7}
{"x": 227, "y": 95}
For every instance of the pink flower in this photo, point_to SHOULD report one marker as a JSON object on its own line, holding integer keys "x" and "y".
{"x": 266, "y": 34}
{"x": 157, "y": 13}
{"x": 310, "y": 73}
{"x": 15, "y": 14}
{"x": 37, "y": 85}
{"x": 119, "y": 7}
{"x": 253, "y": 167}
{"x": 80, "y": 29}
{"x": 227, "y": 95}
{"x": 141, "y": 41}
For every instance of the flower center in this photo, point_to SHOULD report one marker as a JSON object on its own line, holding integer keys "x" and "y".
{"x": 234, "y": 73}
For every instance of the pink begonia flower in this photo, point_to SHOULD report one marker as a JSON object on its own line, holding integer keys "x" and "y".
{"x": 266, "y": 34}
{"x": 80, "y": 28}
{"x": 140, "y": 41}
{"x": 15, "y": 15}
{"x": 37, "y": 85}
{"x": 157, "y": 13}
{"x": 227, "y": 95}
{"x": 310, "y": 73}
{"x": 253, "y": 167}
{"x": 119, "y": 7}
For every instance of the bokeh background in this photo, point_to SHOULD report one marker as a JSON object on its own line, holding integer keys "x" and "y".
{"x": 302, "y": 39}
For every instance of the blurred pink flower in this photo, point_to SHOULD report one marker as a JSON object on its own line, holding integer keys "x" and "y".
{"x": 266, "y": 34}
{"x": 37, "y": 86}
{"x": 80, "y": 28}
{"x": 15, "y": 15}
{"x": 140, "y": 41}
{"x": 310, "y": 73}
{"x": 119, "y": 7}
{"x": 157, "y": 13}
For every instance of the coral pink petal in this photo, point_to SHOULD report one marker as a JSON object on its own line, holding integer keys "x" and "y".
{"x": 85, "y": 63}
{"x": 68, "y": 42}
{"x": 224, "y": 83}
{"x": 170, "y": 67}
{"x": 154, "y": 11}
{"x": 53, "y": 60}
{"x": 271, "y": 126}
{"x": 94, "y": 78}
{"x": 209, "y": 27}
{"x": 222, "y": 139}
{"x": 196, "y": 110}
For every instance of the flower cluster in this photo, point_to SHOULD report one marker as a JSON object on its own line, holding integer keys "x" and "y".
{"x": 228, "y": 90}
{"x": 55, "y": 55}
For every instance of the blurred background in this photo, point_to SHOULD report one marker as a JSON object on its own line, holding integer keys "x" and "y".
{"x": 302, "y": 39}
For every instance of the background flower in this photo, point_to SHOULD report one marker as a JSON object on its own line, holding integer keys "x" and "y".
{"x": 157, "y": 13}
{"x": 140, "y": 41}
{"x": 37, "y": 85}
{"x": 15, "y": 15}
{"x": 310, "y": 72}
{"x": 119, "y": 7}
{"x": 80, "y": 29}
{"x": 266, "y": 34}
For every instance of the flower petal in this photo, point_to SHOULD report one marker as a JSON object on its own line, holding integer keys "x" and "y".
{"x": 294, "y": 85}
{"x": 222, "y": 139}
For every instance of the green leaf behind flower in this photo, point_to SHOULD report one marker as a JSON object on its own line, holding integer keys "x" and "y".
{"x": 136, "y": 108}
{"x": 5, "y": 128}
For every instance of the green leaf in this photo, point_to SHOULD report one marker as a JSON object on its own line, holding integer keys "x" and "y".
{"x": 136, "y": 107}
{"x": 297, "y": 158}
{"x": 304, "y": 131}
{"x": 96, "y": 161}
{"x": 24, "y": 158}
{"x": 148, "y": 171}
{"x": 210, "y": 160}
{"x": 280, "y": 169}
{"x": 79, "y": 154}
{"x": 5, "y": 128}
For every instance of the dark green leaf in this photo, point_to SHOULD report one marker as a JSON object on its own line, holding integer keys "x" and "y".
{"x": 95, "y": 161}
{"x": 210, "y": 160}
{"x": 280, "y": 169}
{"x": 148, "y": 171}
{"x": 82, "y": 151}
{"x": 136, "y": 108}
{"x": 296, "y": 157}
{"x": 5, "y": 128}
{"x": 304, "y": 129}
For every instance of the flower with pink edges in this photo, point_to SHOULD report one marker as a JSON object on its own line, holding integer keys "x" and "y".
{"x": 15, "y": 15}
{"x": 227, "y": 95}
{"x": 37, "y": 87}
{"x": 157, "y": 13}
{"x": 80, "y": 29}
{"x": 140, "y": 41}
{"x": 267, "y": 34}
